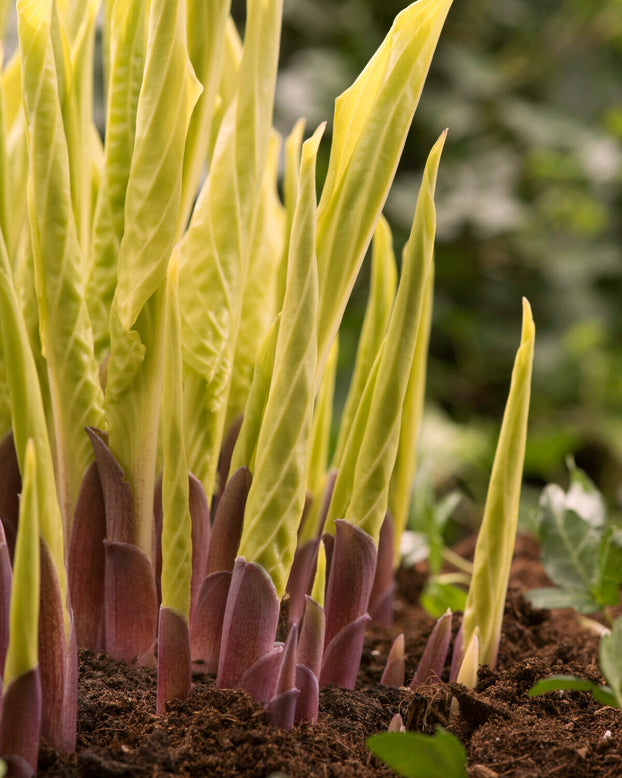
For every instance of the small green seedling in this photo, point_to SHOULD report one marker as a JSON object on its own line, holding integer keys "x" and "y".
{"x": 610, "y": 664}
{"x": 413, "y": 754}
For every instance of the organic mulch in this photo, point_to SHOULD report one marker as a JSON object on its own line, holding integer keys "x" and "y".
{"x": 224, "y": 733}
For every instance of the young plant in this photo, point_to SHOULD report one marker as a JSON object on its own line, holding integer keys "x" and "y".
{"x": 580, "y": 554}
{"x": 610, "y": 665}
{"x": 134, "y": 311}
{"x": 413, "y": 754}
{"x": 483, "y": 612}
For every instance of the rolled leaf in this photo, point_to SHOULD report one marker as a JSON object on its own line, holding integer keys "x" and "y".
{"x": 250, "y": 622}
{"x": 300, "y": 578}
{"x": 86, "y": 562}
{"x": 153, "y": 199}
{"x": 371, "y": 122}
{"x": 259, "y": 303}
{"x": 277, "y": 495}
{"x": 65, "y": 330}
{"x": 308, "y": 699}
{"x": 350, "y": 579}
{"x": 311, "y": 643}
{"x": 208, "y": 619}
{"x": 176, "y": 521}
{"x": 227, "y": 527}
{"x": 28, "y": 422}
{"x": 403, "y": 475}
{"x": 381, "y": 596}
{"x": 393, "y": 674}
{"x": 434, "y": 655}
{"x": 125, "y": 57}
{"x": 364, "y": 475}
{"x": 205, "y": 27}
{"x": 342, "y": 656}
{"x": 131, "y": 609}
{"x": 21, "y": 710}
{"x": 497, "y": 533}
{"x": 215, "y": 248}
{"x": 380, "y": 302}
{"x": 174, "y": 674}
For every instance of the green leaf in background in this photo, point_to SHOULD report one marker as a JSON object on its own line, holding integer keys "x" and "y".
{"x": 413, "y": 755}
{"x": 438, "y": 595}
{"x": 371, "y": 121}
{"x": 215, "y": 249}
{"x": 277, "y": 494}
{"x": 153, "y": 196}
{"x": 497, "y": 533}
{"x": 581, "y": 556}
{"x": 556, "y": 683}
{"x": 66, "y": 336}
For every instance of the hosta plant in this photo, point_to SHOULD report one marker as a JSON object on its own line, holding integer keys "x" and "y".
{"x": 169, "y": 334}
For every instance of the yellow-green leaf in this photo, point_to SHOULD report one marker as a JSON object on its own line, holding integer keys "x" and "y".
{"x": 65, "y": 330}
{"x": 176, "y": 525}
{"x": 371, "y": 122}
{"x": 497, "y": 533}
{"x": 23, "y": 648}
{"x": 215, "y": 249}
{"x": 277, "y": 495}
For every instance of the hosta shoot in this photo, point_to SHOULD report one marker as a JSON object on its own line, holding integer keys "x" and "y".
{"x": 495, "y": 542}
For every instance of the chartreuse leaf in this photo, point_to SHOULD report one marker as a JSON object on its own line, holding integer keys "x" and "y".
{"x": 495, "y": 541}
{"x": 77, "y": 115}
{"x": 127, "y": 43}
{"x": 413, "y": 754}
{"x": 293, "y": 145}
{"x": 64, "y": 325}
{"x": 379, "y": 305}
{"x": 404, "y": 471}
{"x": 371, "y": 122}
{"x": 246, "y": 444}
{"x": 28, "y": 421}
{"x": 15, "y": 165}
{"x": 364, "y": 473}
{"x": 205, "y": 26}
{"x": 4, "y": 159}
{"x": 580, "y": 554}
{"x": 556, "y": 683}
{"x": 4, "y": 15}
{"x": 317, "y": 460}
{"x": 215, "y": 249}
{"x": 167, "y": 97}
{"x": 259, "y": 304}
{"x": 228, "y": 86}
{"x": 277, "y": 494}
{"x": 23, "y": 652}
{"x": 176, "y": 525}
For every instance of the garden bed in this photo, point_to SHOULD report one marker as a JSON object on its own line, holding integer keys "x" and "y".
{"x": 224, "y": 733}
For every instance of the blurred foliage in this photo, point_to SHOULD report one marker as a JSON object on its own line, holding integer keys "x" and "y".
{"x": 529, "y": 194}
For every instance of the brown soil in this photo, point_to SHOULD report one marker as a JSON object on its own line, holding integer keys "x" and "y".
{"x": 223, "y": 733}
